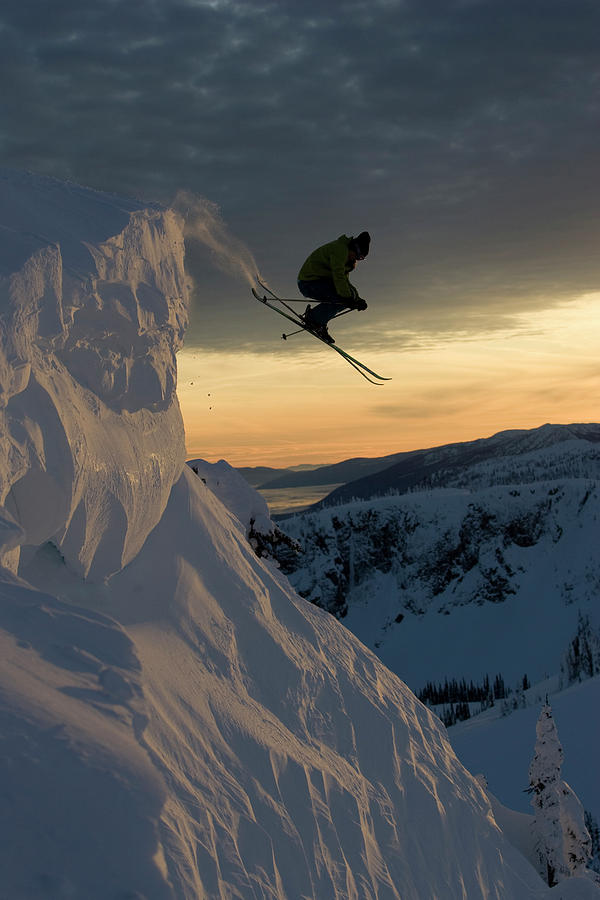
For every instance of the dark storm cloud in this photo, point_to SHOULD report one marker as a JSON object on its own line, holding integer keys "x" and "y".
{"x": 462, "y": 134}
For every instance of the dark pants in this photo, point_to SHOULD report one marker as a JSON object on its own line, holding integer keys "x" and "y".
{"x": 329, "y": 301}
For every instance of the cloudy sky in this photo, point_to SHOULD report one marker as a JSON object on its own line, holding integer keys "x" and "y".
{"x": 463, "y": 134}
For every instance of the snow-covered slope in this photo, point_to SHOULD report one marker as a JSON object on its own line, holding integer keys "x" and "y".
{"x": 176, "y": 721}
{"x": 295, "y": 764}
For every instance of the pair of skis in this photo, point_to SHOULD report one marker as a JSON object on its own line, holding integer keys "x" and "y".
{"x": 299, "y": 321}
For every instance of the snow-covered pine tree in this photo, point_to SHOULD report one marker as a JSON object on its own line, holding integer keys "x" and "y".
{"x": 577, "y": 840}
{"x": 562, "y": 841}
{"x": 544, "y": 778}
{"x": 594, "y": 831}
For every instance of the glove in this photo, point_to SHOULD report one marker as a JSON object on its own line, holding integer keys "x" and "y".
{"x": 360, "y": 303}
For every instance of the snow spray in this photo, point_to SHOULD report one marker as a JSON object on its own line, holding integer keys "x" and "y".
{"x": 203, "y": 223}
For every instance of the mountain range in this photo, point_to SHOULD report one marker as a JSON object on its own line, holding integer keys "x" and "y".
{"x": 334, "y": 473}
{"x": 401, "y": 472}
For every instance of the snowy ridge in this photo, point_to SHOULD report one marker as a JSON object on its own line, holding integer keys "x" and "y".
{"x": 568, "y": 458}
{"x": 446, "y": 465}
{"x": 248, "y": 507}
{"x": 178, "y": 722}
{"x": 233, "y": 491}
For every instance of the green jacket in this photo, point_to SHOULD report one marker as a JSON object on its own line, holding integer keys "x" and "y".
{"x": 330, "y": 261}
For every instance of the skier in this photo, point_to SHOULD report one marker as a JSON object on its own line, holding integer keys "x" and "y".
{"x": 324, "y": 277}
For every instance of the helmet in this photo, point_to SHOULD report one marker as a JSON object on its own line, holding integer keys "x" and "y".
{"x": 361, "y": 244}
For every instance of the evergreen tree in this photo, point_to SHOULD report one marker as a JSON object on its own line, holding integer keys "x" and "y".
{"x": 582, "y": 657}
{"x": 594, "y": 831}
{"x": 563, "y": 844}
{"x": 577, "y": 840}
{"x": 499, "y": 688}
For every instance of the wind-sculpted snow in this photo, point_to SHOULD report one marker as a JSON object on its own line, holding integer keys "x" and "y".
{"x": 295, "y": 764}
{"x": 80, "y": 795}
{"x": 91, "y": 433}
{"x": 176, "y": 722}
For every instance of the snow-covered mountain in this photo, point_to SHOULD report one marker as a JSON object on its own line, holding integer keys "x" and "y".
{"x": 176, "y": 721}
{"x": 445, "y": 466}
{"x": 489, "y": 573}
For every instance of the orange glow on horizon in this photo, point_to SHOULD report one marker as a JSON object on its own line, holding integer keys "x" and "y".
{"x": 260, "y": 409}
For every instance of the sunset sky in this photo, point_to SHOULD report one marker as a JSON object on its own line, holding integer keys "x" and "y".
{"x": 463, "y": 134}
{"x": 288, "y": 408}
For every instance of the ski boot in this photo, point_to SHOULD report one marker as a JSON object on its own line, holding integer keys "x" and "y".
{"x": 319, "y": 330}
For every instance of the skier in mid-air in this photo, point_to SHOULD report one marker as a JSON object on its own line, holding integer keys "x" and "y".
{"x": 324, "y": 278}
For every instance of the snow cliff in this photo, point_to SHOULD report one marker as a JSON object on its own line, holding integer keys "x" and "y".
{"x": 91, "y": 435}
{"x": 176, "y": 721}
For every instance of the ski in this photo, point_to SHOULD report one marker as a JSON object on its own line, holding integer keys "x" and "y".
{"x": 297, "y": 319}
{"x": 356, "y": 364}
